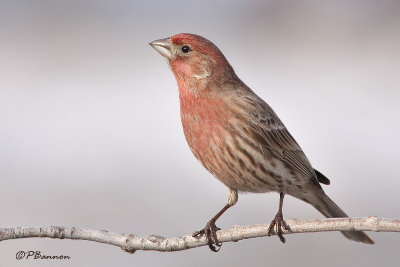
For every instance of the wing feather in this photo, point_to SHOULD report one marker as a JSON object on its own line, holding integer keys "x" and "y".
{"x": 268, "y": 129}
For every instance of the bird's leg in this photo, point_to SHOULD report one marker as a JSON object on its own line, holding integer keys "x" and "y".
{"x": 278, "y": 221}
{"x": 210, "y": 231}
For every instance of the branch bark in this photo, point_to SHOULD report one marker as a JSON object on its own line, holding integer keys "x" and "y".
{"x": 131, "y": 243}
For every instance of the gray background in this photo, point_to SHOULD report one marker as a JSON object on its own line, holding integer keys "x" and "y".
{"x": 90, "y": 132}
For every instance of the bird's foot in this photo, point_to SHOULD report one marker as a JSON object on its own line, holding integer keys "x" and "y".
{"x": 280, "y": 224}
{"x": 210, "y": 232}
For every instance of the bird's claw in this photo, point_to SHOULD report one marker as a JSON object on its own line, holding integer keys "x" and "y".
{"x": 280, "y": 224}
{"x": 210, "y": 232}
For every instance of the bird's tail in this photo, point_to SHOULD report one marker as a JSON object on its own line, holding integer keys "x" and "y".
{"x": 327, "y": 207}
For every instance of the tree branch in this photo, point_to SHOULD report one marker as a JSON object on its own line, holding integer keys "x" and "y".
{"x": 131, "y": 243}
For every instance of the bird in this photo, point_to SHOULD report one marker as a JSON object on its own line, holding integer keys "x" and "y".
{"x": 238, "y": 137}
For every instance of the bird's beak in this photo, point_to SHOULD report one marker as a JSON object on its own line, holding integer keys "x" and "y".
{"x": 163, "y": 46}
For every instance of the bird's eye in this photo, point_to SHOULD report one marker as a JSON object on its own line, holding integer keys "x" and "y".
{"x": 185, "y": 49}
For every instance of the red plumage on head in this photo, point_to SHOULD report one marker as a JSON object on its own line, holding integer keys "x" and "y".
{"x": 202, "y": 46}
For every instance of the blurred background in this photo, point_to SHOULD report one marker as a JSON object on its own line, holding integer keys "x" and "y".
{"x": 90, "y": 132}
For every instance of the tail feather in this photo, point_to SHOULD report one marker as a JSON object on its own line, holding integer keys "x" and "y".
{"x": 327, "y": 207}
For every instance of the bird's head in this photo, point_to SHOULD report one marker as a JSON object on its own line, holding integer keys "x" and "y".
{"x": 194, "y": 60}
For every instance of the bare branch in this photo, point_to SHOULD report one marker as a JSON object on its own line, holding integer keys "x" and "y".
{"x": 131, "y": 243}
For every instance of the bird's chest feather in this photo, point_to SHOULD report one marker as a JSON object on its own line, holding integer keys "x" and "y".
{"x": 205, "y": 122}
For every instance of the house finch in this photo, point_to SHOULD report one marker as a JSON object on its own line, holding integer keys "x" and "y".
{"x": 238, "y": 137}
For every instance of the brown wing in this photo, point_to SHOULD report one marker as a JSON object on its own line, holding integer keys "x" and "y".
{"x": 269, "y": 131}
